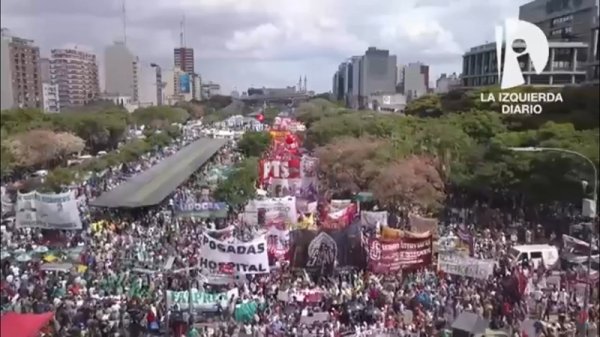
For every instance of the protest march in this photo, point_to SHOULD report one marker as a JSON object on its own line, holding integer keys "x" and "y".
{"x": 150, "y": 249}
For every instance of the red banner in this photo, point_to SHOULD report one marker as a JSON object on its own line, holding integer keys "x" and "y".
{"x": 392, "y": 255}
{"x": 337, "y": 219}
{"x": 280, "y": 169}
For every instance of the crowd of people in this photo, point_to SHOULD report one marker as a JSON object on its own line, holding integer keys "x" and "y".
{"x": 112, "y": 278}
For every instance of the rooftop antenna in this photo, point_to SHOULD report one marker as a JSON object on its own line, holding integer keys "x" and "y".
{"x": 182, "y": 33}
{"x": 124, "y": 10}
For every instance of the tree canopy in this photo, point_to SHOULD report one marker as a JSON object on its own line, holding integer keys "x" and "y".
{"x": 34, "y": 140}
{"x": 464, "y": 141}
{"x": 254, "y": 144}
{"x": 240, "y": 185}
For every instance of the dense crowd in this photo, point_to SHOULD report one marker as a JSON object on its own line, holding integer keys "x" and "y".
{"x": 111, "y": 278}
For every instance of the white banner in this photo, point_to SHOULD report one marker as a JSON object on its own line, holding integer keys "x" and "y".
{"x": 339, "y": 204}
{"x": 48, "y": 211}
{"x": 241, "y": 258}
{"x": 370, "y": 219}
{"x": 7, "y": 205}
{"x": 278, "y": 241}
{"x": 466, "y": 266}
{"x": 276, "y": 210}
{"x": 201, "y": 300}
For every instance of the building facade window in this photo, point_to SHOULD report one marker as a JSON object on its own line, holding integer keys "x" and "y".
{"x": 562, "y": 20}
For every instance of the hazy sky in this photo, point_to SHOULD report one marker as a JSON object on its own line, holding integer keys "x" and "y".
{"x": 239, "y": 43}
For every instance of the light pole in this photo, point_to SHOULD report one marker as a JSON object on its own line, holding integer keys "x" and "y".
{"x": 595, "y": 191}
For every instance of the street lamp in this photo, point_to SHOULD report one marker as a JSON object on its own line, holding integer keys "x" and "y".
{"x": 575, "y": 153}
{"x": 584, "y": 184}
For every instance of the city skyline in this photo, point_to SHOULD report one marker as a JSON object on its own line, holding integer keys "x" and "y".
{"x": 265, "y": 42}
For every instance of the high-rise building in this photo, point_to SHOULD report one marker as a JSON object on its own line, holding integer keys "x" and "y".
{"x": 149, "y": 84}
{"x": 415, "y": 80}
{"x": 184, "y": 59}
{"x": 210, "y": 89}
{"x": 363, "y": 76}
{"x": 566, "y": 66}
{"x": 120, "y": 71}
{"x": 21, "y": 61}
{"x": 594, "y": 57}
{"x": 45, "y": 70}
{"x": 562, "y": 20}
{"x": 568, "y": 21}
{"x": 51, "y": 98}
{"x": 7, "y": 99}
{"x": 377, "y": 74}
{"x": 446, "y": 83}
{"x": 76, "y": 74}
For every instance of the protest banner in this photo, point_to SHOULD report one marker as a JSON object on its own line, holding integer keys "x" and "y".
{"x": 421, "y": 224}
{"x": 372, "y": 219}
{"x": 391, "y": 255}
{"x": 7, "y": 205}
{"x": 466, "y": 266}
{"x": 337, "y": 215}
{"x": 322, "y": 251}
{"x": 302, "y": 295}
{"x": 47, "y": 211}
{"x": 269, "y": 211}
{"x": 278, "y": 241}
{"x": 202, "y": 210}
{"x": 242, "y": 258}
{"x": 201, "y": 300}
{"x": 282, "y": 169}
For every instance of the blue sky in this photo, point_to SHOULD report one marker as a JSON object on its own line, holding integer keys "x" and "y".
{"x": 239, "y": 43}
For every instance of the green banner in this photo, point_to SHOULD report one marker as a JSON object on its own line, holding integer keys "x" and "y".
{"x": 201, "y": 300}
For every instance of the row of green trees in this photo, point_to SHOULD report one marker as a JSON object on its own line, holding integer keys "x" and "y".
{"x": 33, "y": 140}
{"x": 417, "y": 160}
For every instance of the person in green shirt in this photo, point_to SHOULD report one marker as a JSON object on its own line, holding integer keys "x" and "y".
{"x": 193, "y": 332}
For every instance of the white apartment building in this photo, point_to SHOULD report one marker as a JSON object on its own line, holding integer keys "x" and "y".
{"x": 148, "y": 84}
{"x": 120, "y": 71}
{"x": 76, "y": 74}
{"x": 50, "y": 98}
{"x": 446, "y": 83}
{"x": 416, "y": 80}
{"x": 210, "y": 89}
{"x": 6, "y": 92}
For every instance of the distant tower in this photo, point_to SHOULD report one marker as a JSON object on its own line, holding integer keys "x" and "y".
{"x": 305, "y": 84}
{"x": 182, "y": 33}
{"x": 299, "y": 84}
{"x": 124, "y": 17}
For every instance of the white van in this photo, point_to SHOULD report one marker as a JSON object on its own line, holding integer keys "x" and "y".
{"x": 535, "y": 253}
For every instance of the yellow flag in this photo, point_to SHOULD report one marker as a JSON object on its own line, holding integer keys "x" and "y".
{"x": 50, "y": 258}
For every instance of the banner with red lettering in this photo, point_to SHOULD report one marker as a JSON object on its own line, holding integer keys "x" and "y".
{"x": 279, "y": 169}
{"x": 278, "y": 242}
{"x": 392, "y": 255}
{"x": 338, "y": 214}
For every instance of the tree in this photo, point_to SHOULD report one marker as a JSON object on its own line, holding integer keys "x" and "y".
{"x": 68, "y": 144}
{"x": 240, "y": 186}
{"x": 37, "y": 148}
{"x": 254, "y": 144}
{"x": 350, "y": 164}
{"x": 34, "y": 148}
{"x": 428, "y": 105}
{"x": 159, "y": 116}
{"x": 410, "y": 182}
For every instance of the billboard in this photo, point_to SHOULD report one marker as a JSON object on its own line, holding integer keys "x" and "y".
{"x": 184, "y": 84}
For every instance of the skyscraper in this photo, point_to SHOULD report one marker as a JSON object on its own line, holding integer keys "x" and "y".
{"x": 76, "y": 74}
{"x": 415, "y": 80}
{"x": 184, "y": 59}
{"x": 120, "y": 71}
{"x": 21, "y": 80}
